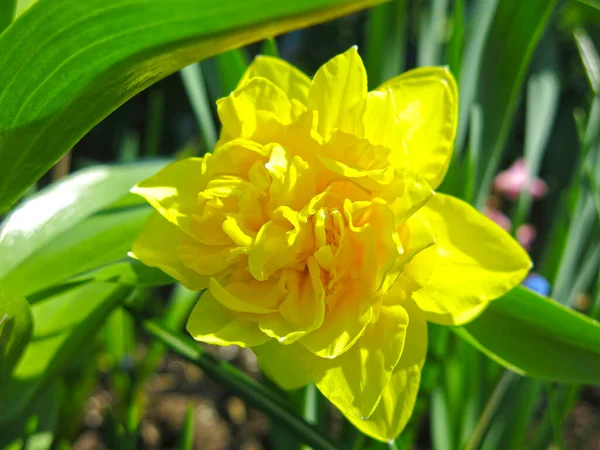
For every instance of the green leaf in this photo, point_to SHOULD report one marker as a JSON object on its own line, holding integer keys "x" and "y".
{"x": 64, "y": 324}
{"x": 67, "y": 64}
{"x": 129, "y": 271}
{"x": 15, "y": 331}
{"x": 56, "y": 209}
{"x": 513, "y": 37}
{"x": 535, "y": 336}
{"x": 103, "y": 238}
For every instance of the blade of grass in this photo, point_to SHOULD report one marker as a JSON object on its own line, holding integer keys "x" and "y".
{"x": 476, "y": 35}
{"x": 586, "y": 275}
{"x": 582, "y": 222}
{"x": 473, "y": 152}
{"x": 490, "y": 410}
{"x": 442, "y": 434}
{"x": 386, "y": 41}
{"x": 241, "y": 385}
{"x": 543, "y": 91}
{"x": 187, "y": 435}
{"x": 455, "y": 46}
{"x": 589, "y": 57}
{"x": 193, "y": 81}
{"x": 269, "y": 47}
{"x": 130, "y": 147}
{"x": 555, "y": 417}
{"x": 232, "y": 65}
{"x": 119, "y": 340}
{"x": 431, "y": 33}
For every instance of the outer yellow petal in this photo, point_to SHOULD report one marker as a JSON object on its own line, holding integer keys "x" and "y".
{"x": 286, "y": 365}
{"x": 342, "y": 327}
{"x": 173, "y": 191}
{"x": 337, "y": 86}
{"x": 354, "y": 381}
{"x": 427, "y": 108}
{"x": 282, "y": 74}
{"x": 400, "y": 394}
{"x": 476, "y": 262}
{"x": 252, "y": 296}
{"x": 156, "y": 247}
{"x": 254, "y": 111}
{"x": 212, "y": 323}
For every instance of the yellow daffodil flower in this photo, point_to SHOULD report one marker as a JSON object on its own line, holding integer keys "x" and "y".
{"x": 315, "y": 230}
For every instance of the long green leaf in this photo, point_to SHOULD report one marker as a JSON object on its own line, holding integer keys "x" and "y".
{"x": 538, "y": 337}
{"x": 64, "y": 324}
{"x": 101, "y": 239}
{"x": 476, "y": 35}
{"x": 66, "y": 64}
{"x": 128, "y": 271}
{"x": 513, "y": 37}
{"x": 241, "y": 385}
{"x": 543, "y": 91}
{"x": 15, "y": 331}
{"x": 58, "y": 208}
{"x": 431, "y": 33}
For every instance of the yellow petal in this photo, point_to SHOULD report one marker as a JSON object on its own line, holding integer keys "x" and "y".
{"x": 476, "y": 262}
{"x": 254, "y": 111}
{"x": 173, "y": 191}
{"x": 337, "y": 86}
{"x": 400, "y": 394}
{"x": 343, "y": 325}
{"x": 279, "y": 244}
{"x": 304, "y": 305}
{"x": 381, "y": 126}
{"x": 286, "y": 365}
{"x": 427, "y": 108}
{"x": 207, "y": 259}
{"x": 252, "y": 296}
{"x": 156, "y": 247}
{"x": 212, "y": 323}
{"x": 282, "y": 74}
{"x": 354, "y": 381}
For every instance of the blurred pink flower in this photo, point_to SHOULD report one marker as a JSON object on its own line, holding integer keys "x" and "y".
{"x": 497, "y": 216}
{"x": 513, "y": 180}
{"x": 526, "y": 235}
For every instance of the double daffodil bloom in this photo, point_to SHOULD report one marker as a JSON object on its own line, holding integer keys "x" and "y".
{"x": 315, "y": 230}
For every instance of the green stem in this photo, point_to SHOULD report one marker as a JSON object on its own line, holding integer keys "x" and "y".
{"x": 490, "y": 410}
